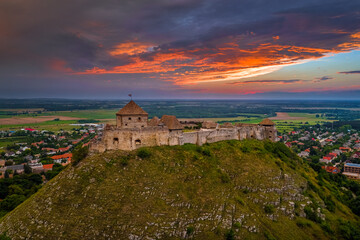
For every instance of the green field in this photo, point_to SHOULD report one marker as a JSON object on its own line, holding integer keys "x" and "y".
{"x": 282, "y": 125}
{"x": 88, "y": 114}
{"x": 48, "y": 125}
{"x": 285, "y": 126}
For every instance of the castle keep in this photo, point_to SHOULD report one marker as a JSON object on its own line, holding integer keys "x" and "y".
{"x": 134, "y": 130}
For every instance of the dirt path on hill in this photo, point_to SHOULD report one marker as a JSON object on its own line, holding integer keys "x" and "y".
{"x": 285, "y": 116}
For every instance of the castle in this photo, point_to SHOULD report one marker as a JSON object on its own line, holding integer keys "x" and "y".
{"x": 134, "y": 130}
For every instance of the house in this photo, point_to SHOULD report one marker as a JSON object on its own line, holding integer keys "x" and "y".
{"x": 36, "y": 167}
{"x": 352, "y": 170}
{"x": 28, "y": 158}
{"x": 337, "y": 151}
{"x": 331, "y": 169}
{"x": 18, "y": 168}
{"x": 48, "y": 167}
{"x": 36, "y": 144}
{"x": 9, "y": 154}
{"x": 356, "y": 155}
{"x": 304, "y": 154}
{"x": 345, "y": 149}
{"x": 326, "y": 159}
{"x": 59, "y": 158}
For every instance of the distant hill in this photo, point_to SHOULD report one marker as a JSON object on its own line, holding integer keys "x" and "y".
{"x": 225, "y": 190}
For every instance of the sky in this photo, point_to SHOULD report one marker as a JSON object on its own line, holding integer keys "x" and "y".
{"x": 180, "y": 49}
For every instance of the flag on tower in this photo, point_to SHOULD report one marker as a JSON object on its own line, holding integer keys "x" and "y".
{"x": 130, "y": 95}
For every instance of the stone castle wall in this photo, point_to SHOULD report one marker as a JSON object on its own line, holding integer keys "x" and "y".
{"x": 130, "y": 139}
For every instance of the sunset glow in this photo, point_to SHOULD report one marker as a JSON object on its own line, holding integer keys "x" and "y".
{"x": 193, "y": 48}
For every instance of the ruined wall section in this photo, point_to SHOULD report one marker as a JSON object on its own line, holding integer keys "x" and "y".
{"x": 130, "y": 139}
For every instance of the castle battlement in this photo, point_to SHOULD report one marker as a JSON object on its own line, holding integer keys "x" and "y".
{"x": 133, "y": 130}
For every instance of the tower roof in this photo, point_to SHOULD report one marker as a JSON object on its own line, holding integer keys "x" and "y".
{"x": 171, "y": 122}
{"x": 131, "y": 109}
{"x": 267, "y": 122}
{"x": 154, "y": 121}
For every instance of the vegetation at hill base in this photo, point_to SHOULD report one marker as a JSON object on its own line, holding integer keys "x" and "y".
{"x": 226, "y": 190}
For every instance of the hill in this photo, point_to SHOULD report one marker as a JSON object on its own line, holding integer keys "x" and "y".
{"x": 225, "y": 190}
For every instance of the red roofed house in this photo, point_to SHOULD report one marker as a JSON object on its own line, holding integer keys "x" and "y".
{"x": 59, "y": 158}
{"x": 345, "y": 149}
{"x": 356, "y": 155}
{"x": 48, "y": 167}
{"x": 331, "y": 169}
{"x": 326, "y": 159}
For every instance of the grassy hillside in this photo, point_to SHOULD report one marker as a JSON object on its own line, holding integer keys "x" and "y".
{"x": 225, "y": 190}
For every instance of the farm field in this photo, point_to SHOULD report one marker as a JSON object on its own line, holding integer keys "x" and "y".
{"x": 30, "y": 120}
{"x": 45, "y": 121}
{"x": 40, "y": 114}
{"x": 48, "y": 125}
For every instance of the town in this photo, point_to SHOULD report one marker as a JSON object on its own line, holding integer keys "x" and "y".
{"x": 337, "y": 150}
{"x": 41, "y": 151}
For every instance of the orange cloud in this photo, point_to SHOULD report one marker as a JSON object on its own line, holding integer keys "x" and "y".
{"x": 130, "y": 48}
{"x": 226, "y": 60}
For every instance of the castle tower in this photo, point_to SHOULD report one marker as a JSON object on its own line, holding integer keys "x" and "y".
{"x": 270, "y": 130}
{"x": 131, "y": 116}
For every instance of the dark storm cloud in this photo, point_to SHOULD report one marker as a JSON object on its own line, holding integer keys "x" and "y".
{"x": 350, "y": 72}
{"x": 183, "y": 39}
{"x": 322, "y": 79}
{"x": 290, "y": 81}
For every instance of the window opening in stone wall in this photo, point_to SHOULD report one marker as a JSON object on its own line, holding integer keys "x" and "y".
{"x": 116, "y": 140}
{"x": 137, "y": 141}
{"x": 129, "y": 118}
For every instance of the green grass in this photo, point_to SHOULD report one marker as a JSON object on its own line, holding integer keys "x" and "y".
{"x": 290, "y": 125}
{"x": 90, "y": 114}
{"x": 48, "y": 125}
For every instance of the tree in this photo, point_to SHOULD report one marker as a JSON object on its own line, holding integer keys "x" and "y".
{"x": 79, "y": 154}
{"x": 16, "y": 189}
{"x": 355, "y": 205}
{"x": 9, "y": 163}
{"x": 27, "y": 169}
{"x": 12, "y": 201}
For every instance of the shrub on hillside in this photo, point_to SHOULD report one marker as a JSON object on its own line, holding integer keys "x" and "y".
{"x": 269, "y": 209}
{"x": 303, "y": 223}
{"x": 79, "y": 154}
{"x": 144, "y": 153}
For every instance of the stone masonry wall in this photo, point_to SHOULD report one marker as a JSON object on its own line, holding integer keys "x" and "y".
{"x": 130, "y": 139}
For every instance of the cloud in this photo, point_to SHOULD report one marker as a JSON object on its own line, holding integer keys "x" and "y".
{"x": 351, "y": 72}
{"x": 290, "y": 81}
{"x": 181, "y": 42}
{"x": 322, "y": 79}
